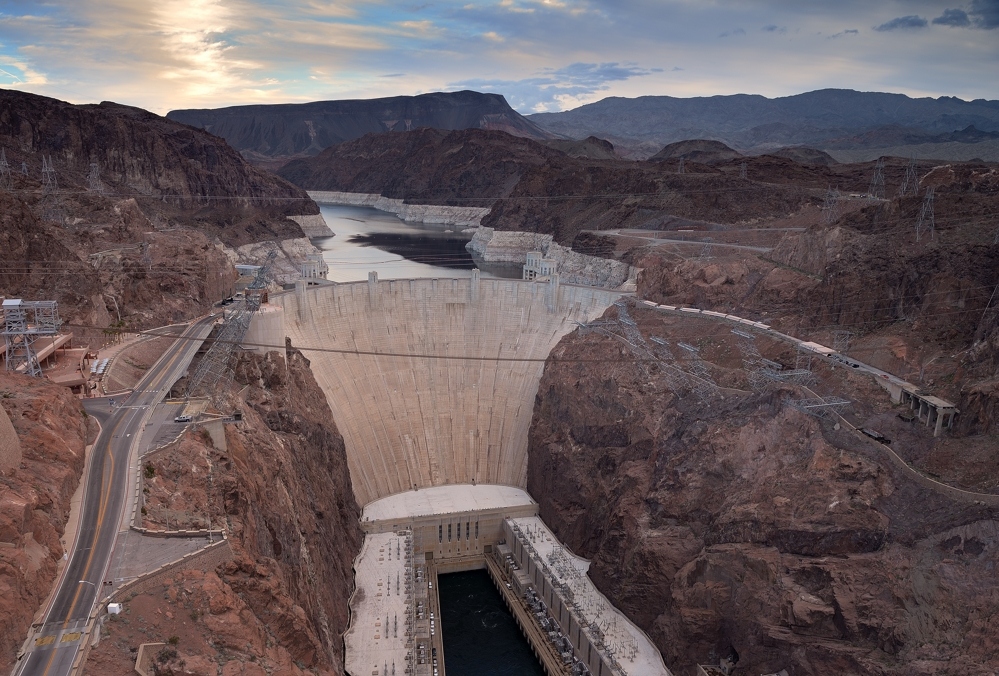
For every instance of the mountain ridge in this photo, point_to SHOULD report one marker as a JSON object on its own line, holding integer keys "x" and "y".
{"x": 272, "y": 134}
{"x": 751, "y": 123}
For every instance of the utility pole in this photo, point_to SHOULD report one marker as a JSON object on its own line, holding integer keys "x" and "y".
{"x": 877, "y": 190}
{"x": 926, "y": 220}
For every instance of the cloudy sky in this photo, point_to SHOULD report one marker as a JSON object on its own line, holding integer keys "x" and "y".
{"x": 541, "y": 54}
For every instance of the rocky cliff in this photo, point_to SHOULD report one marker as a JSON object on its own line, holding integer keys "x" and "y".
{"x": 281, "y": 484}
{"x": 531, "y": 187}
{"x": 53, "y": 432}
{"x": 273, "y": 134}
{"x": 127, "y": 227}
{"x": 739, "y": 527}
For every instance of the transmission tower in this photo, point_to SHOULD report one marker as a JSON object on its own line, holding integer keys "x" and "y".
{"x": 926, "y": 220}
{"x": 24, "y": 322}
{"x": 5, "y": 180}
{"x": 48, "y": 174}
{"x": 830, "y": 208}
{"x": 680, "y": 169}
{"x": 700, "y": 380}
{"x": 877, "y": 190}
{"x": 742, "y": 170}
{"x": 94, "y": 179}
{"x": 214, "y": 374}
{"x": 841, "y": 341}
{"x": 910, "y": 184}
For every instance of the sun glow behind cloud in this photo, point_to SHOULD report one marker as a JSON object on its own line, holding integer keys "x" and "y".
{"x": 541, "y": 54}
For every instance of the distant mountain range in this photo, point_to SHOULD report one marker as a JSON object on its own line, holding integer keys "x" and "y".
{"x": 849, "y": 125}
{"x": 270, "y": 135}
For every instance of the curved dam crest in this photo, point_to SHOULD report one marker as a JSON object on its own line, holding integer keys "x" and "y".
{"x": 412, "y": 422}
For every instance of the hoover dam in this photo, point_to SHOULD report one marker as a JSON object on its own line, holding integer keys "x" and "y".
{"x": 432, "y": 384}
{"x": 432, "y": 381}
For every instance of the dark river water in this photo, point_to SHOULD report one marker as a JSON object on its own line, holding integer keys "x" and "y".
{"x": 370, "y": 240}
{"x": 480, "y": 635}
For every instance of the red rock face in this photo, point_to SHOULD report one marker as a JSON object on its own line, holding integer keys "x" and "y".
{"x": 34, "y": 499}
{"x": 745, "y": 527}
{"x": 283, "y": 489}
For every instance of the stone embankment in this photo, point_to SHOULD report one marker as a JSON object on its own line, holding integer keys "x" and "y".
{"x": 415, "y": 213}
{"x": 501, "y": 246}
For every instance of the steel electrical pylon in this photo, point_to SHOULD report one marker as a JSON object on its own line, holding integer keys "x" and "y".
{"x": 910, "y": 184}
{"x": 877, "y": 189}
{"x": 830, "y": 208}
{"x": 926, "y": 220}
{"x": 24, "y": 322}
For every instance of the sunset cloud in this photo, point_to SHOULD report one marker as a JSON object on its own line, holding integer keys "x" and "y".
{"x": 541, "y": 54}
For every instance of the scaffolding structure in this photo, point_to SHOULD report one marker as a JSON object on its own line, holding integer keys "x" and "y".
{"x": 24, "y": 322}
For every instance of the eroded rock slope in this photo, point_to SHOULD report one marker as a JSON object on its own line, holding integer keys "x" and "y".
{"x": 742, "y": 527}
{"x": 283, "y": 489}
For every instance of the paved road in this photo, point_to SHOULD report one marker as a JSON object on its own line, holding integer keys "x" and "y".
{"x": 108, "y": 487}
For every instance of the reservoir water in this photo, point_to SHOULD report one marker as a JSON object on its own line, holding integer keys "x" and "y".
{"x": 370, "y": 240}
{"x": 480, "y": 635}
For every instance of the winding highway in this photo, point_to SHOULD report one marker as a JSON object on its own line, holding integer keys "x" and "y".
{"x": 106, "y": 497}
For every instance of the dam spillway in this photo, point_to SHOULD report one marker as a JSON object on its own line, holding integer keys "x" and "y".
{"x": 448, "y": 396}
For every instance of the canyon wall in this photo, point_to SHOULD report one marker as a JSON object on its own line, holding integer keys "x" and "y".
{"x": 280, "y": 483}
{"x": 740, "y": 527}
{"x": 52, "y": 432}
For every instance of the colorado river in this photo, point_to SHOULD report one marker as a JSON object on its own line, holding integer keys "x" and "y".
{"x": 367, "y": 239}
{"x": 480, "y": 635}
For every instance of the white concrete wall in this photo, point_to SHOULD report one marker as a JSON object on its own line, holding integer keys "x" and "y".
{"x": 417, "y": 213}
{"x": 412, "y": 421}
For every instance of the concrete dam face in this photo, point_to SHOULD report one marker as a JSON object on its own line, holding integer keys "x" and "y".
{"x": 447, "y": 399}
